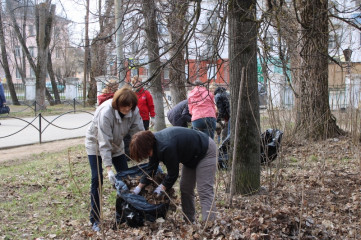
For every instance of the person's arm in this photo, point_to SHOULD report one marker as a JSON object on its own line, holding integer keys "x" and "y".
{"x": 172, "y": 164}
{"x": 105, "y": 139}
{"x": 190, "y": 106}
{"x": 153, "y": 167}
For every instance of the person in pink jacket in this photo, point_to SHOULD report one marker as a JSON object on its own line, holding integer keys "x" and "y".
{"x": 203, "y": 109}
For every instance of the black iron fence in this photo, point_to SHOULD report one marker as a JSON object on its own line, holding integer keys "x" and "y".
{"x": 40, "y": 122}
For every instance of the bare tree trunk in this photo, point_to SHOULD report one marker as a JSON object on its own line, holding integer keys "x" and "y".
{"x": 44, "y": 13}
{"x": 243, "y": 54}
{"x": 86, "y": 54}
{"x": 5, "y": 63}
{"x": 176, "y": 23}
{"x": 54, "y": 84}
{"x": 99, "y": 51}
{"x": 149, "y": 12}
{"x": 315, "y": 120}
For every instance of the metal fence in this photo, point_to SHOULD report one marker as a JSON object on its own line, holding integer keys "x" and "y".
{"x": 20, "y": 92}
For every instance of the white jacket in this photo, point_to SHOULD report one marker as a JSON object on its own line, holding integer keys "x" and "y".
{"x": 104, "y": 136}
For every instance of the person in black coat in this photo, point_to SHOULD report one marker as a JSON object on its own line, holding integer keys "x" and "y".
{"x": 173, "y": 146}
{"x": 179, "y": 115}
{"x": 221, "y": 97}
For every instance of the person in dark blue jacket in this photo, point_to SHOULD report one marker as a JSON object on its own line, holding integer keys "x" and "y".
{"x": 173, "y": 146}
{"x": 2, "y": 96}
{"x": 179, "y": 115}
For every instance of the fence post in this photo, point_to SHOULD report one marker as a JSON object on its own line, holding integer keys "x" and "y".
{"x": 35, "y": 108}
{"x": 74, "y": 104}
{"x": 39, "y": 127}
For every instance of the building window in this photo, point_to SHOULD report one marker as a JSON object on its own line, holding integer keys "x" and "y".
{"x": 270, "y": 43}
{"x": 210, "y": 46}
{"x": 17, "y": 51}
{"x": 166, "y": 73}
{"x": 57, "y": 53}
{"x": 186, "y": 71}
{"x": 31, "y": 30}
{"x": 135, "y": 47}
{"x": 18, "y": 75}
{"x": 32, "y": 51}
{"x": 333, "y": 41}
{"x": 212, "y": 71}
{"x": 32, "y": 73}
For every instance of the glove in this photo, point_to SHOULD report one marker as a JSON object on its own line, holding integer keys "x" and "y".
{"x": 111, "y": 177}
{"x": 121, "y": 186}
{"x": 159, "y": 190}
{"x": 152, "y": 121}
{"x": 137, "y": 190}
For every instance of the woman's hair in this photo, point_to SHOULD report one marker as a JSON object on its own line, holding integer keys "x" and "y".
{"x": 124, "y": 97}
{"x": 136, "y": 81}
{"x": 141, "y": 145}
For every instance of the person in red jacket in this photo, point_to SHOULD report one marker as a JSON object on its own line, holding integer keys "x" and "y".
{"x": 145, "y": 102}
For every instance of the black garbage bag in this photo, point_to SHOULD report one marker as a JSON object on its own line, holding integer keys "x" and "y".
{"x": 135, "y": 210}
{"x": 270, "y": 144}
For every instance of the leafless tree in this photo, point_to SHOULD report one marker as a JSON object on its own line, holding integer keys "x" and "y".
{"x": 149, "y": 12}
{"x": 243, "y": 54}
{"x": 4, "y": 62}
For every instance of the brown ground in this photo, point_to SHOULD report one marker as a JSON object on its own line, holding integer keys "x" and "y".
{"x": 312, "y": 191}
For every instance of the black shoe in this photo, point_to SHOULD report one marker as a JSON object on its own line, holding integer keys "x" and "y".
{"x": 96, "y": 227}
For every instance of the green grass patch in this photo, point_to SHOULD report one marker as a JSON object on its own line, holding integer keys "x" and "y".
{"x": 47, "y": 195}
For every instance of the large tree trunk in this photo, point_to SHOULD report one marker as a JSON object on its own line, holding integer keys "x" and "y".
{"x": 176, "y": 23}
{"x": 44, "y": 14}
{"x": 52, "y": 79}
{"x": 5, "y": 63}
{"x": 149, "y": 12}
{"x": 243, "y": 54}
{"x": 98, "y": 51}
{"x": 314, "y": 119}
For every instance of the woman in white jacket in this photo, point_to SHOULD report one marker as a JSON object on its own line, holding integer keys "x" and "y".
{"x": 112, "y": 120}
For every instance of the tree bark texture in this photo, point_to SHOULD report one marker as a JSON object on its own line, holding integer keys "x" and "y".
{"x": 151, "y": 30}
{"x": 176, "y": 23}
{"x": 5, "y": 63}
{"x": 53, "y": 81}
{"x": 45, "y": 13}
{"x": 243, "y": 54}
{"x": 99, "y": 52}
{"x": 314, "y": 119}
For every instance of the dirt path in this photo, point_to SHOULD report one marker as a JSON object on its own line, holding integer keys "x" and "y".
{"x": 20, "y": 153}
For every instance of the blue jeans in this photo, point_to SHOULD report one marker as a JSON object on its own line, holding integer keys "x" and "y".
{"x": 206, "y": 125}
{"x": 119, "y": 163}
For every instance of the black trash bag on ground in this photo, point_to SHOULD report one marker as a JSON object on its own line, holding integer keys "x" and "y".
{"x": 270, "y": 144}
{"x": 135, "y": 210}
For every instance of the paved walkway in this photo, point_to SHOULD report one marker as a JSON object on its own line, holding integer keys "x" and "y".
{"x": 68, "y": 126}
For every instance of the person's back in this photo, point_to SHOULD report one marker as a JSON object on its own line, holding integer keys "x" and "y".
{"x": 221, "y": 98}
{"x": 179, "y": 114}
{"x": 2, "y": 95}
{"x": 203, "y": 110}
